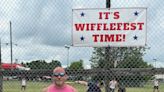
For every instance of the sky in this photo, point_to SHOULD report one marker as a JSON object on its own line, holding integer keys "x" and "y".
{"x": 42, "y": 28}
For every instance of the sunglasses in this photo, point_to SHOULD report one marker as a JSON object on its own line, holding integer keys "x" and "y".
{"x": 58, "y": 74}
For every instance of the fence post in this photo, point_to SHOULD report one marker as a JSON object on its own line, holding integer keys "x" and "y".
{"x": 108, "y": 4}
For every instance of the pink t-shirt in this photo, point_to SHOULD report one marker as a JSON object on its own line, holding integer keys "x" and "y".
{"x": 66, "y": 88}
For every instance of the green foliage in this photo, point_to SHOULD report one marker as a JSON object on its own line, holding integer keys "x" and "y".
{"x": 76, "y": 65}
{"x": 53, "y": 64}
{"x": 124, "y": 57}
{"x": 42, "y": 64}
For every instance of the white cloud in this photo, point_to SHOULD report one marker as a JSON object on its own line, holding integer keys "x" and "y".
{"x": 162, "y": 24}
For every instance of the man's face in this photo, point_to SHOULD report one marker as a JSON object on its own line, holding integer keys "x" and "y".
{"x": 59, "y": 77}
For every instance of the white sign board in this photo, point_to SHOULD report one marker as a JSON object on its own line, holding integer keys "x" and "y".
{"x": 109, "y": 27}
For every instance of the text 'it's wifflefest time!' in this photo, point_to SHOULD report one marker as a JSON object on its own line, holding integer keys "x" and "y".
{"x": 109, "y": 27}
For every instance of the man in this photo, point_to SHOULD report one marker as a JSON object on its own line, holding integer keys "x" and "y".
{"x": 93, "y": 87}
{"x": 156, "y": 85}
{"x": 23, "y": 84}
{"x": 59, "y": 85}
{"x": 112, "y": 85}
{"x": 121, "y": 87}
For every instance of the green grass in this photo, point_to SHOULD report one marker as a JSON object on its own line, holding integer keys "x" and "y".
{"x": 14, "y": 86}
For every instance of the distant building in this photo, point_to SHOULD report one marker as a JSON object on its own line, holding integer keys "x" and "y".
{"x": 7, "y": 66}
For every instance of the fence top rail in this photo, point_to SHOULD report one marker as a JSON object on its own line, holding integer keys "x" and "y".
{"x": 127, "y": 71}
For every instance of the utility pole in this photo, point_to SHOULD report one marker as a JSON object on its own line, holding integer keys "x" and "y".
{"x": 107, "y": 49}
{"x": 108, "y": 4}
{"x": 11, "y": 46}
{"x": 67, "y": 47}
{"x": 1, "y": 76}
{"x": 155, "y": 61}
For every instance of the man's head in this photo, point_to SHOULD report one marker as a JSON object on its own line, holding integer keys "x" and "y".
{"x": 59, "y": 76}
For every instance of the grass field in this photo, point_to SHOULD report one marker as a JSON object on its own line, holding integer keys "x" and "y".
{"x": 14, "y": 86}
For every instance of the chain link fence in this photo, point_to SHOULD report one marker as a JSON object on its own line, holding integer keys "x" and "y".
{"x": 41, "y": 41}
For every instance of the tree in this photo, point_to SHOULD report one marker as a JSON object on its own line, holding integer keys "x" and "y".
{"x": 38, "y": 64}
{"x": 105, "y": 57}
{"x": 53, "y": 64}
{"x": 76, "y": 65}
{"x": 126, "y": 57}
{"x": 42, "y": 64}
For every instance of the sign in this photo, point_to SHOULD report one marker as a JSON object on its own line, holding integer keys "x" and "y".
{"x": 109, "y": 27}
